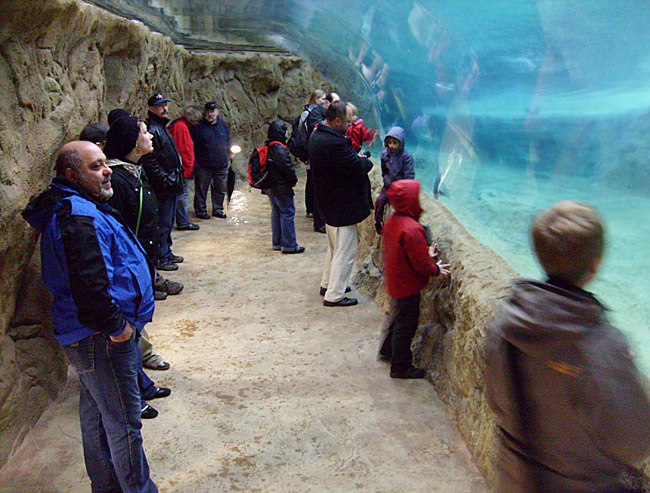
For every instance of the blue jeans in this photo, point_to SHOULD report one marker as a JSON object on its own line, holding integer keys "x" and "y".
{"x": 182, "y": 219}
{"x": 282, "y": 226}
{"x": 145, "y": 384}
{"x": 109, "y": 411}
{"x": 166, "y": 215}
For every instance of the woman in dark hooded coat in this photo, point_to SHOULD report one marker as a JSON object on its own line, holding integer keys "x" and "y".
{"x": 283, "y": 179}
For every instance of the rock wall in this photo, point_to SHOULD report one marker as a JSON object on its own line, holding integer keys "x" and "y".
{"x": 453, "y": 318}
{"x": 64, "y": 64}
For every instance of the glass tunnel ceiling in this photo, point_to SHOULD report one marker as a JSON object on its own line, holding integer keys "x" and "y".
{"x": 509, "y": 106}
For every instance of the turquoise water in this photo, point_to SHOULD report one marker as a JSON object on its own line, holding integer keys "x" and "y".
{"x": 517, "y": 105}
{"x": 497, "y": 204}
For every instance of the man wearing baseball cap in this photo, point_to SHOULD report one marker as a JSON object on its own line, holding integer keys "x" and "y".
{"x": 165, "y": 173}
{"x": 212, "y": 157}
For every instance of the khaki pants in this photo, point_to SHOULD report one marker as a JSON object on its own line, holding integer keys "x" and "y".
{"x": 149, "y": 356}
{"x": 341, "y": 249}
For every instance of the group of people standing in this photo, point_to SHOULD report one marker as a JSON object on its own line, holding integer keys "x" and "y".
{"x": 105, "y": 224}
{"x": 560, "y": 379}
{"x": 338, "y": 196}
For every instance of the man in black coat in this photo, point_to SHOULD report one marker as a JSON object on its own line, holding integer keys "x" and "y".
{"x": 343, "y": 195}
{"x": 165, "y": 173}
{"x": 317, "y": 115}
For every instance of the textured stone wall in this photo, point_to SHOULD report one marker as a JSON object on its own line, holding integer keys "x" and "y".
{"x": 64, "y": 64}
{"x": 453, "y": 318}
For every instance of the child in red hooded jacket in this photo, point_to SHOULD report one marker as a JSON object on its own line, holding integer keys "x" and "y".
{"x": 408, "y": 264}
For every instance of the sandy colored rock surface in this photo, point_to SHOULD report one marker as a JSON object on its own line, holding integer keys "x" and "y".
{"x": 64, "y": 64}
{"x": 271, "y": 390}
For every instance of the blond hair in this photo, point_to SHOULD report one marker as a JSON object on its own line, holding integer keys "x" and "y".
{"x": 567, "y": 238}
{"x": 192, "y": 114}
{"x": 317, "y": 94}
{"x": 353, "y": 109}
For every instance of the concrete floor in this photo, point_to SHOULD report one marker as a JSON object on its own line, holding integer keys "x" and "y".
{"x": 271, "y": 391}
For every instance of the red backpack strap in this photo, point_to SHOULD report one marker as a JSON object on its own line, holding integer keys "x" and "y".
{"x": 277, "y": 142}
{"x": 263, "y": 151}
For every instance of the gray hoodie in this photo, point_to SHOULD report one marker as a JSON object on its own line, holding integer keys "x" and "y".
{"x": 589, "y": 415}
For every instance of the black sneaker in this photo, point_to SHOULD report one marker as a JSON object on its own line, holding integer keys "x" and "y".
{"x": 342, "y": 302}
{"x": 189, "y": 227}
{"x": 176, "y": 259}
{"x": 294, "y": 250}
{"x": 159, "y": 295}
{"x": 409, "y": 373}
{"x": 148, "y": 412}
{"x": 160, "y": 393}
{"x": 202, "y": 215}
{"x": 220, "y": 215}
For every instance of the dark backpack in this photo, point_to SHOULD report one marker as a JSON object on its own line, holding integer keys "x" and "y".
{"x": 258, "y": 170}
{"x": 297, "y": 143}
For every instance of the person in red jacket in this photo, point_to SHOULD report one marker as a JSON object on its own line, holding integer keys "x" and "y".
{"x": 408, "y": 264}
{"x": 358, "y": 133}
{"x": 180, "y": 130}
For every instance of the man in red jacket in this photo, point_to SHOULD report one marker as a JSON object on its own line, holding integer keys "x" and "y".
{"x": 408, "y": 264}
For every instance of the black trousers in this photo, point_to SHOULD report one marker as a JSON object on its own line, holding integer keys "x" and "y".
{"x": 230, "y": 187}
{"x": 214, "y": 179}
{"x": 309, "y": 193}
{"x": 404, "y": 323}
{"x": 312, "y": 204}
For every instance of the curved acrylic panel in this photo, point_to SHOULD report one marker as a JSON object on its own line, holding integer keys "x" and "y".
{"x": 508, "y": 106}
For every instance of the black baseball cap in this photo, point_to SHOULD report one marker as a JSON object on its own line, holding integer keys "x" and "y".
{"x": 211, "y": 106}
{"x": 157, "y": 99}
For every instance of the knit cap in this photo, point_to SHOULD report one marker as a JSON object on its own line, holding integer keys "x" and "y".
{"x": 95, "y": 132}
{"x": 121, "y": 137}
{"x": 116, "y": 114}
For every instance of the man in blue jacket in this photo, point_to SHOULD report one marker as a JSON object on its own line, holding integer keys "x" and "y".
{"x": 212, "y": 157}
{"x": 101, "y": 281}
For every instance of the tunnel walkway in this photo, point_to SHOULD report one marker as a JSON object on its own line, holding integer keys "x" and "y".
{"x": 271, "y": 391}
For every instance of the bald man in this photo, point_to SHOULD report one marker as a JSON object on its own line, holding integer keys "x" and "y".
{"x": 103, "y": 297}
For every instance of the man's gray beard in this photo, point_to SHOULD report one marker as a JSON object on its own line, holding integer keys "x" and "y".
{"x": 102, "y": 194}
{"x": 105, "y": 195}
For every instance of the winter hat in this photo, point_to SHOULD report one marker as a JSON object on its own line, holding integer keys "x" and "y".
{"x": 121, "y": 137}
{"x": 95, "y": 132}
{"x": 116, "y": 114}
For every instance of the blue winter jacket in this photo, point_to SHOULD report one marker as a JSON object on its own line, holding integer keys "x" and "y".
{"x": 95, "y": 267}
{"x": 397, "y": 165}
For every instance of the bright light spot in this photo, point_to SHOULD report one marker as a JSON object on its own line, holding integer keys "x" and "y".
{"x": 235, "y": 149}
